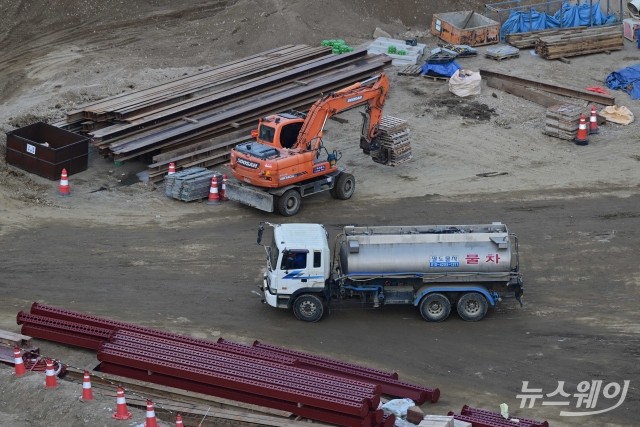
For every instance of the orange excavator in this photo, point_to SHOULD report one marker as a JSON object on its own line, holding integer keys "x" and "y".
{"x": 288, "y": 159}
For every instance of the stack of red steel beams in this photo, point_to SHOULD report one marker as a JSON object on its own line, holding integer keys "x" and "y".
{"x": 483, "y": 418}
{"x": 306, "y": 385}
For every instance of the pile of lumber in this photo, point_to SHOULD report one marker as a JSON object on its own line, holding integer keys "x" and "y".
{"x": 194, "y": 121}
{"x": 529, "y": 39}
{"x": 582, "y": 42}
{"x": 562, "y": 121}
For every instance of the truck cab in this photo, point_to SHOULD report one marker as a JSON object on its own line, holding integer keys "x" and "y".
{"x": 298, "y": 266}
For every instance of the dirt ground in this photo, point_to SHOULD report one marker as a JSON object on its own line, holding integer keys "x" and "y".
{"x": 119, "y": 248}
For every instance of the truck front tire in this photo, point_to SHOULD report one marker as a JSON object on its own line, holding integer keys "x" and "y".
{"x": 472, "y": 306}
{"x": 308, "y": 308}
{"x": 345, "y": 186}
{"x": 289, "y": 203}
{"x": 435, "y": 307}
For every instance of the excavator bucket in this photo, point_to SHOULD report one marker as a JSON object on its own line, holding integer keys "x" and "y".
{"x": 250, "y": 196}
{"x": 392, "y": 142}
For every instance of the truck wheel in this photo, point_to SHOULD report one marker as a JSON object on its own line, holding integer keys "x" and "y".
{"x": 345, "y": 186}
{"x": 435, "y": 307}
{"x": 308, "y": 308}
{"x": 472, "y": 306}
{"x": 289, "y": 203}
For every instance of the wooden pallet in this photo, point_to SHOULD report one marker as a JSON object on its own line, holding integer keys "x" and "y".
{"x": 436, "y": 78}
{"x": 410, "y": 70}
{"x": 502, "y": 57}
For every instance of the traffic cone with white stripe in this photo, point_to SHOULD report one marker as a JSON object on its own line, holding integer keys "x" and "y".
{"x": 223, "y": 193}
{"x": 151, "y": 415}
{"x": 63, "y": 189}
{"x": 50, "y": 380}
{"x": 214, "y": 197}
{"x": 122, "y": 413}
{"x": 87, "y": 393}
{"x": 179, "y": 421}
{"x": 593, "y": 121}
{"x": 582, "y": 138}
{"x": 17, "y": 359}
{"x": 172, "y": 168}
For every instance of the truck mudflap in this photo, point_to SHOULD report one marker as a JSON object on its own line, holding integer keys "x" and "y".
{"x": 250, "y": 196}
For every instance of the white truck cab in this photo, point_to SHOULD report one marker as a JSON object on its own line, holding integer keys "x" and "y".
{"x": 298, "y": 262}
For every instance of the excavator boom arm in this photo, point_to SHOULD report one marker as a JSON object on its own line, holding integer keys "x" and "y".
{"x": 372, "y": 92}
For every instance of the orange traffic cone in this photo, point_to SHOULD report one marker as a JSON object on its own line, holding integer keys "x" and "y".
{"x": 17, "y": 359}
{"x": 179, "y": 421}
{"x": 582, "y": 137}
{"x": 121, "y": 406}
{"x": 172, "y": 168}
{"x": 87, "y": 393}
{"x": 223, "y": 193}
{"x": 151, "y": 415}
{"x": 593, "y": 121}
{"x": 50, "y": 380}
{"x": 64, "y": 189}
{"x": 214, "y": 197}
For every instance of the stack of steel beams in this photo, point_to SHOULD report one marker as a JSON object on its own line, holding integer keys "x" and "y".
{"x": 306, "y": 385}
{"x": 483, "y": 418}
{"x": 200, "y": 112}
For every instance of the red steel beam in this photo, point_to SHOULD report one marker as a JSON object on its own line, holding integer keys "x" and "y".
{"x": 231, "y": 380}
{"x": 310, "y": 412}
{"x": 288, "y": 377}
{"x": 69, "y": 338}
{"x": 324, "y": 361}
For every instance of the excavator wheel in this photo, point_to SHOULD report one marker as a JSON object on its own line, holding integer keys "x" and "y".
{"x": 345, "y": 186}
{"x": 289, "y": 203}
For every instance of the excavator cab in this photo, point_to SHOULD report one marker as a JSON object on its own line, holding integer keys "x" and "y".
{"x": 280, "y": 130}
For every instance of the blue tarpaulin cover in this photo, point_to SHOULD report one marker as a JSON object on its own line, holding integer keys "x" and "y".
{"x": 445, "y": 70}
{"x": 627, "y": 79}
{"x": 567, "y": 16}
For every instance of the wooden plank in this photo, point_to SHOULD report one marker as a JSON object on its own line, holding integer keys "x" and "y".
{"x": 552, "y": 88}
{"x": 149, "y": 389}
{"x": 13, "y": 338}
{"x": 521, "y": 91}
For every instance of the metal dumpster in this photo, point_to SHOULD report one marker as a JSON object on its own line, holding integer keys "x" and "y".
{"x": 45, "y": 150}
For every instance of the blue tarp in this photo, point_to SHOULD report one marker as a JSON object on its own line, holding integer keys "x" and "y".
{"x": 447, "y": 69}
{"x": 626, "y": 80}
{"x": 567, "y": 16}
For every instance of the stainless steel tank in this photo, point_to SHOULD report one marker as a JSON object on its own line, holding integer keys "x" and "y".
{"x": 484, "y": 250}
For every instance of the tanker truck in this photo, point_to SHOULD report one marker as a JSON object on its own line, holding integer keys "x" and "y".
{"x": 436, "y": 268}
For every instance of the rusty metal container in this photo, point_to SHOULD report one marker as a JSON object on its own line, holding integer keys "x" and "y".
{"x": 45, "y": 150}
{"x": 466, "y": 27}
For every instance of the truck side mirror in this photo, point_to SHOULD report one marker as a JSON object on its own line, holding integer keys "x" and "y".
{"x": 260, "y": 231}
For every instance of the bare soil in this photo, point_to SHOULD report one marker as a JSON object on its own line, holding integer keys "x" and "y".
{"x": 119, "y": 248}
